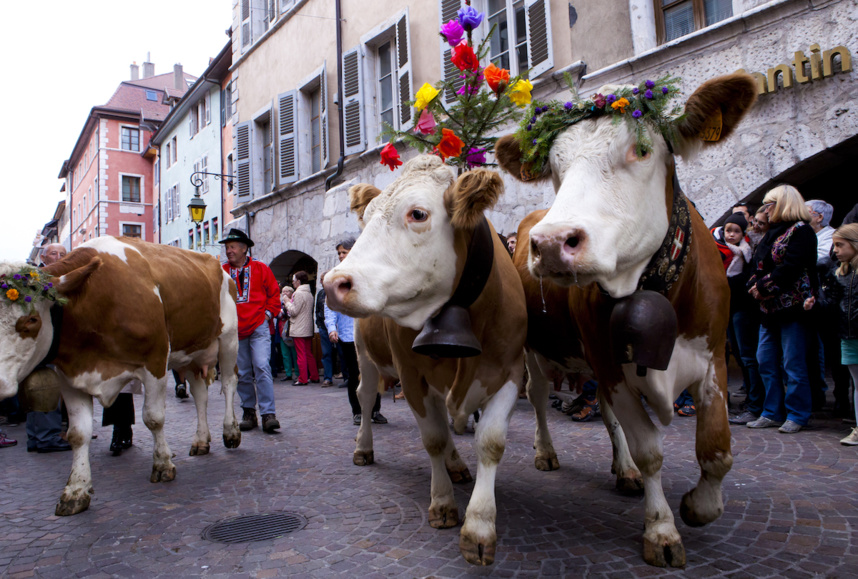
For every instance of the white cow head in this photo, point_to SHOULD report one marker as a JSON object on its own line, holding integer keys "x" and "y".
{"x": 26, "y": 333}
{"x": 403, "y": 265}
{"x": 612, "y": 207}
{"x": 25, "y": 336}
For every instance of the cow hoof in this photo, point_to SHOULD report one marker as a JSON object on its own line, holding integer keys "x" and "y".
{"x": 663, "y": 555}
{"x": 693, "y": 513}
{"x": 163, "y": 474}
{"x": 199, "y": 449}
{"x": 364, "y": 457}
{"x": 443, "y": 517}
{"x": 630, "y": 485}
{"x": 72, "y": 504}
{"x": 462, "y": 476}
{"x": 232, "y": 440}
{"x": 548, "y": 463}
{"x": 477, "y": 553}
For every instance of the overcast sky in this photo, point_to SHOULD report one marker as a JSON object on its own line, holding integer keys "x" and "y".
{"x": 63, "y": 58}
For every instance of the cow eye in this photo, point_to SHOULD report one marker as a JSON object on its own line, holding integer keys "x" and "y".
{"x": 418, "y": 215}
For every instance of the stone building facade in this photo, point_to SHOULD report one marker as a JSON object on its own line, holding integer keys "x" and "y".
{"x": 802, "y": 132}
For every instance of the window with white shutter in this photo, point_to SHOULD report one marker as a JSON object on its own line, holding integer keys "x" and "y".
{"x": 355, "y": 136}
{"x": 448, "y": 10}
{"x": 323, "y": 97}
{"x": 168, "y": 205}
{"x": 246, "y": 28}
{"x": 208, "y": 105}
{"x": 242, "y": 155}
{"x": 403, "y": 56}
{"x": 204, "y": 167}
{"x": 287, "y": 137}
{"x": 540, "y": 53}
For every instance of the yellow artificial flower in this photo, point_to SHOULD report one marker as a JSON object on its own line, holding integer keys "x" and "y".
{"x": 424, "y": 96}
{"x": 34, "y": 274}
{"x": 520, "y": 92}
{"x": 620, "y": 104}
{"x": 12, "y": 294}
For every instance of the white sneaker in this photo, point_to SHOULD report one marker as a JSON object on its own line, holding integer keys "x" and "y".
{"x": 763, "y": 422}
{"x": 852, "y": 439}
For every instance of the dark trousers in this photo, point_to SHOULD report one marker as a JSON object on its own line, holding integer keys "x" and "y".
{"x": 746, "y": 330}
{"x": 351, "y": 363}
{"x": 120, "y": 413}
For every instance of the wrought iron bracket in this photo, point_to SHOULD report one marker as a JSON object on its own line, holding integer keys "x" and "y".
{"x": 197, "y": 178}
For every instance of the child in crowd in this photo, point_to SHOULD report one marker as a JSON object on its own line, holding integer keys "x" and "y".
{"x": 845, "y": 245}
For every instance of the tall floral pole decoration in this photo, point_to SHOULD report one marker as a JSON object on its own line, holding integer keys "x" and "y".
{"x": 486, "y": 100}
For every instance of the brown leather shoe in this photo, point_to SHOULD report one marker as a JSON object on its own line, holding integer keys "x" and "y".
{"x": 248, "y": 421}
{"x": 270, "y": 423}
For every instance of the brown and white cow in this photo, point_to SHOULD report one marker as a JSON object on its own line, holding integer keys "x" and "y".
{"x": 402, "y": 270}
{"x": 134, "y": 311}
{"x": 610, "y": 216}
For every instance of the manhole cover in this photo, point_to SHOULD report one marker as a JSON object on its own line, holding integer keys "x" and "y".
{"x": 248, "y": 528}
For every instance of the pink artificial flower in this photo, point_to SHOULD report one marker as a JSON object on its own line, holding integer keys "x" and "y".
{"x": 453, "y": 32}
{"x": 426, "y": 123}
{"x": 476, "y": 158}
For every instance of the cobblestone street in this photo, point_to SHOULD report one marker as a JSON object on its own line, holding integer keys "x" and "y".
{"x": 791, "y": 502}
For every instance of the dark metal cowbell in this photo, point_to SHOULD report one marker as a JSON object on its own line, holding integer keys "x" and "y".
{"x": 448, "y": 334}
{"x": 643, "y": 330}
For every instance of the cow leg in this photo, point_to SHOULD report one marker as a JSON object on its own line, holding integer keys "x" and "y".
{"x": 76, "y": 495}
{"x": 628, "y": 476}
{"x": 154, "y": 406}
{"x": 443, "y": 511}
{"x": 478, "y": 539}
{"x": 703, "y": 504}
{"x": 538, "y": 389}
{"x": 202, "y": 437}
{"x": 367, "y": 392}
{"x": 227, "y": 356}
{"x": 662, "y": 543}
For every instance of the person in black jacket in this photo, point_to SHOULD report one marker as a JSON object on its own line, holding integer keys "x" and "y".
{"x": 784, "y": 282}
{"x": 845, "y": 247}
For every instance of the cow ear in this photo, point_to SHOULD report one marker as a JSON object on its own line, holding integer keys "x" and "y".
{"x": 359, "y": 197}
{"x": 471, "y": 194}
{"x": 508, "y": 154}
{"x": 72, "y": 281}
{"x": 714, "y": 110}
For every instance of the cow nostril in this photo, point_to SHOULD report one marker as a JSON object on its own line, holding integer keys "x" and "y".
{"x": 534, "y": 249}
{"x": 572, "y": 241}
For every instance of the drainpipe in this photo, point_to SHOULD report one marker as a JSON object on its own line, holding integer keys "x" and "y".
{"x": 342, "y": 158}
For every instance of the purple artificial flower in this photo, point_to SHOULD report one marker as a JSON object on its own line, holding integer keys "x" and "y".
{"x": 534, "y": 141}
{"x": 453, "y": 32}
{"x": 610, "y": 98}
{"x": 532, "y": 119}
{"x": 18, "y": 276}
{"x": 28, "y": 299}
{"x": 469, "y": 18}
{"x": 50, "y": 284}
{"x": 471, "y": 87}
{"x": 5, "y": 286}
{"x": 637, "y": 114}
{"x": 648, "y": 94}
{"x": 529, "y": 127}
{"x": 475, "y": 158}
{"x": 568, "y": 106}
{"x": 664, "y": 90}
{"x": 636, "y": 90}
{"x": 650, "y": 84}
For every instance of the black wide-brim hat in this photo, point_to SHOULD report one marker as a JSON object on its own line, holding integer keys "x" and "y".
{"x": 237, "y": 235}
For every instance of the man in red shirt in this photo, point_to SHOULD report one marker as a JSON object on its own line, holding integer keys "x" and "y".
{"x": 258, "y": 302}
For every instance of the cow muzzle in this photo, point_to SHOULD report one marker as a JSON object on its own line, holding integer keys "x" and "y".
{"x": 337, "y": 290}
{"x": 556, "y": 250}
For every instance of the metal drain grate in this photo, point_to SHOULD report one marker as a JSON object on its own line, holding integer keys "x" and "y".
{"x": 248, "y": 528}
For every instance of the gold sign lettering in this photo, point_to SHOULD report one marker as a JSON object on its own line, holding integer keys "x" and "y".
{"x": 820, "y": 64}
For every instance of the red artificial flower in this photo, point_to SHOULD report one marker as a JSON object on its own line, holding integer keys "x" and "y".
{"x": 450, "y": 145}
{"x": 464, "y": 57}
{"x": 390, "y": 156}
{"x": 497, "y": 78}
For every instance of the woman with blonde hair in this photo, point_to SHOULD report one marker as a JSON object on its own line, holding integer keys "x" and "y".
{"x": 845, "y": 246}
{"x": 785, "y": 284}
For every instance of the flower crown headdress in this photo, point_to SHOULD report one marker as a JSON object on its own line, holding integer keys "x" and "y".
{"x": 457, "y": 132}
{"x": 647, "y": 103}
{"x": 28, "y": 286}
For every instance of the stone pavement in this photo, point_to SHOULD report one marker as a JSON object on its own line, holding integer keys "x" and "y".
{"x": 791, "y": 503}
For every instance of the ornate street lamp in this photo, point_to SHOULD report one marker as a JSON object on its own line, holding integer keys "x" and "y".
{"x": 197, "y": 207}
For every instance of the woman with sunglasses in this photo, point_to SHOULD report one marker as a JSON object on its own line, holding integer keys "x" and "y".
{"x": 785, "y": 284}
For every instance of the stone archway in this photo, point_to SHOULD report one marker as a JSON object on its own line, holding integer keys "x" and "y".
{"x": 292, "y": 261}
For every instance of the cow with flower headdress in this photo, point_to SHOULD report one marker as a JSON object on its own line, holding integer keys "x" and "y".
{"x": 112, "y": 311}
{"x": 633, "y": 273}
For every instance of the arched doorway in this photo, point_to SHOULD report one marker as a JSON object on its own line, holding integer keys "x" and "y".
{"x": 289, "y": 262}
{"x": 826, "y": 175}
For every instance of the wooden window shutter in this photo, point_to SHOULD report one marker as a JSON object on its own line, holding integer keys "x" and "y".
{"x": 208, "y": 108}
{"x": 168, "y": 205}
{"x": 539, "y": 47}
{"x": 448, "y": 10}
{"x": 323, "y": 120}
{"x": 242, "y": 152}
{"x": 355, "y": 134}
{"x": 287, "y": 137}
{"x": 246, "y": 29}
{"x": 403, "y": 63}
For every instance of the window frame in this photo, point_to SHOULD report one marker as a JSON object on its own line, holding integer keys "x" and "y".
{"x": 122, "y": 177}
{"x": 123, "y": 128}
{"x": 698, "y": 10}
{"x": 142, "y": 226}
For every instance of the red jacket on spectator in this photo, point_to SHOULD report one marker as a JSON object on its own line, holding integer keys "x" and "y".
{"x": 258, "y": 292}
